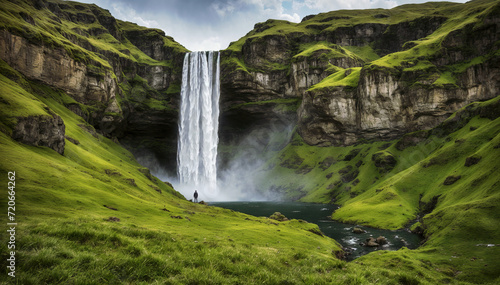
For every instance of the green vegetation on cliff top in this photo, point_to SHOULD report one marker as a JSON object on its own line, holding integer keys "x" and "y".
{"x": 330, "y": 21}
{"x": 415, "y": 58}
{"x": 76, "y": 26}
{"x": 342, "y": 78}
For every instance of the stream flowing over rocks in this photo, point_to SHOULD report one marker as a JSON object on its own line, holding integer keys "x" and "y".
{"x": 356, "y": 241}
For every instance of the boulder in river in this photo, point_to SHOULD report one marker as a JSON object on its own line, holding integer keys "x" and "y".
{"x": 371, "y": 242}
{"x": 381, "y": 240}
{"x": 357, "y": 230}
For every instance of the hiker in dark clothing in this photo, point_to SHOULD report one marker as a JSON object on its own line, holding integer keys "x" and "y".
{"x": 195, "y": 196}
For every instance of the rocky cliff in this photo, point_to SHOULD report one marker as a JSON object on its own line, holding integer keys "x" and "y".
{"x": 363, "y": 75}
{"x": 339, "y": 77}
{"x": 124, "y": 79}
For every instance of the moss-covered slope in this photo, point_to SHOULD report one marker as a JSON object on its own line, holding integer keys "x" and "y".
{"x": 442, "y": 183}
{"x": 94, "y": 215}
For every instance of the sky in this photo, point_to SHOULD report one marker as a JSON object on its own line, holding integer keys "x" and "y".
{"x": 213, "y": 24}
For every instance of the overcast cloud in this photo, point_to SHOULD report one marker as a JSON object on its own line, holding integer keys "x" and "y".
{"x": 213, "y": 24}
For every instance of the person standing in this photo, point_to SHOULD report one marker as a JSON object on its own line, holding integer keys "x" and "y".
{"x": 195, "y": 196}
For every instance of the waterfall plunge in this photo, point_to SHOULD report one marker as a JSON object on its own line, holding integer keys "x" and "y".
{"x": 199, "y": 123}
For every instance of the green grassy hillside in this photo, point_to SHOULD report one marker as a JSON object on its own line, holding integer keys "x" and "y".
{"x": 442, "y": 183}
{"x": 95, "y": 214}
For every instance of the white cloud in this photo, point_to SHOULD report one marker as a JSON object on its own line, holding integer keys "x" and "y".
{"x": 330, "y": 5}
{"x": 127, "y": 13}
{"x": 256, "y": 10}
{"x": 211, "y": 43}
{"x": 222, "y": 9}
{"x": 295, "y": 18}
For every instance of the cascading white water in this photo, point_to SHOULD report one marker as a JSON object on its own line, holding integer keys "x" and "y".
{"x": 199, "y": 122}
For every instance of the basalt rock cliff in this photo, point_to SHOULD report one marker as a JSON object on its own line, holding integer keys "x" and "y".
{"x": 362, "y": 75}
{"x": 124, "y": 78}
{"x": 338, "y": 78}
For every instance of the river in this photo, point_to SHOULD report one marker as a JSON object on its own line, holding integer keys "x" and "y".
{"x": 319, "y": 214}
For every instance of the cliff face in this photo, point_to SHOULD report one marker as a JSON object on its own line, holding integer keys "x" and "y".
{"x": 339, "y": 77}
{"x": 371, "y": 74}
{"x": 124, "y": 79}
{"x": 56, "y": 68}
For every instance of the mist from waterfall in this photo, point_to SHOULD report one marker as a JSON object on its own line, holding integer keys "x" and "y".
{"x": 242, "y": 163}
{"x": 199, "y": 124}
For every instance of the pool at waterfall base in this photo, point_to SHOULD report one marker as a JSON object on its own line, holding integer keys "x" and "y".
{"x": 320, "y": 215}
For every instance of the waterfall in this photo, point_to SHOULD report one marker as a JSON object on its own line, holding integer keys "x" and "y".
{"x": 199, "y": 122}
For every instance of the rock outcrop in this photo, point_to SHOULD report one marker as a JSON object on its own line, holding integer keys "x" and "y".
{"x": 124, "y": 91}
{"x": 41, "y": 131}
{"x": 56, "y": 68}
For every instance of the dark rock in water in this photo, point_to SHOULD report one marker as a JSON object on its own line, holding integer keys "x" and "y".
{"x": 41, "y": 131}
{"x": 451, "y": 179}
{"x": 472, "y": 160}
{"x": 278, "y": 217}
{"x": 374, "y": 242}
{"x": 371, "y": 242}
{"x": 381, "y": 240}
{"x": 357, "y": 230}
